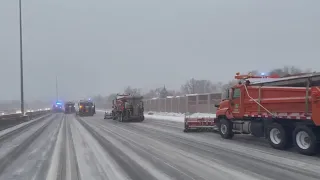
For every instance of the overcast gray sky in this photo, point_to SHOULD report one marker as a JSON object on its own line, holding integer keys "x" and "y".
{"x": 101, "y": 46}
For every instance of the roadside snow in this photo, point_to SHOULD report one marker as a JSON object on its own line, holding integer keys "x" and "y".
{"x": 8, "y": 130}
{"x": 178, "y": 117}
{"x": 164, "y": 117}
{"x": 103, "y": 110}
{"x": 202, "y": 115}
{"x": 171, "y": 116}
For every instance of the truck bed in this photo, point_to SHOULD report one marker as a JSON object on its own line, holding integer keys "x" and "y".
{"x": 281, "y": 102}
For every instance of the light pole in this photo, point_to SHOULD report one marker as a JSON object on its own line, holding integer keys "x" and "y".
{"x": 21, "y": 60}
{"x": 57, "y": 93}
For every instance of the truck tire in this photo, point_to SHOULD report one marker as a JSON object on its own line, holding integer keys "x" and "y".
{"x": 305, "y": 140}
{"x": 277, "y": 136}
{"x": 225, "y": 129}
{"x": 186, "y": 128}
{"x": 141, "y": 118}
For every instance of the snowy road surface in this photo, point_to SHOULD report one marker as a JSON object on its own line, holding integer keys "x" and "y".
{"x": 88, "y": 148}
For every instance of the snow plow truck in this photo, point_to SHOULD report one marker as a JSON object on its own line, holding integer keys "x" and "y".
{"x": 69, "y": 107}
{"x": 127, "y": 108}
{"x": 86, "y": 108}
{"x": 286, "y": 116}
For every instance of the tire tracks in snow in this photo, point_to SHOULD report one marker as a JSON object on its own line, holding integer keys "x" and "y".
{"x": 227, "y": 153}
{"x": 129, "y": 167}
{"x": 16, "y": 151}
{"x": 180, "y": 163}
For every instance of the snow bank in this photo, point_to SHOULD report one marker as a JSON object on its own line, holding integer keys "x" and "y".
{"x": 170, "y": 116}
{"x": 13, "y": 128}
{"x": 103, "y": 110}
{"x": 164, "y": 117}
{"x": 178, "y": 117}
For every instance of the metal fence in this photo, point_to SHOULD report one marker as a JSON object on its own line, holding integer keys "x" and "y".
{"x": 198, "y": 103}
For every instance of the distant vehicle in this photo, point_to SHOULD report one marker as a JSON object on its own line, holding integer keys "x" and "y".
{"x": 69, "y": 107}
{"x": 86, "y": 108}
{"x": 127, "y": 108}
{"x": 57, "y": 107}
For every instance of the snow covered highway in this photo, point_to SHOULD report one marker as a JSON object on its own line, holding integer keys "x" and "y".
{"x": 67, "y": 147}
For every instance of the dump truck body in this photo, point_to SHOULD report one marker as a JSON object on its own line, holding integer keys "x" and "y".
{"x": 274, "y": 102}
{"x": 281, "y": 114}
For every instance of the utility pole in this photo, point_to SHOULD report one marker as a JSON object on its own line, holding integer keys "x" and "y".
{"x": 57, "y": 94}
{"x": 21, "y": 59}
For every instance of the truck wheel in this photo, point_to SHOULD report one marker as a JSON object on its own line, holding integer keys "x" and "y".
{"x": 225, "y": 129}
{"x": 277, "y": 136}
{"x": 305, "y": 140}
{"x": 186, "y": 127}
{"x": 142, "y": 118}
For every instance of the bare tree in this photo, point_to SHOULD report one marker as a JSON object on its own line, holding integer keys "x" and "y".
{"x": 286, "y": 71}
{"x": 198, "y": 86}
{"x": 132, "y": 91}
{"x": 159, "y": 92}
{"x": 151, "y": 94}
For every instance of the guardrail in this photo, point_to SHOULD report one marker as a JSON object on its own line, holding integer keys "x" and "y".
{"x": 27, "y": 116}
{"x": 9, "y": 120}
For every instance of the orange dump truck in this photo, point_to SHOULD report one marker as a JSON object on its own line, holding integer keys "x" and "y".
{"x": 284, "y": 115}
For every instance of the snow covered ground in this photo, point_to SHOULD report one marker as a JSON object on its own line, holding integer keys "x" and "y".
{"x": 69, "y": 147}
{"x": 170, "y": 116}
{"x": 11, "y": 129}
{"x": 179, "y": 117}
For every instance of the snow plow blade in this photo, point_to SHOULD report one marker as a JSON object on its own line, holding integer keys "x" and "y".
{"x": 107, "y": 115}
{"x": 199, "y": 124}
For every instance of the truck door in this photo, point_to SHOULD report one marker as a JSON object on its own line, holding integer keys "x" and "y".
{"x": 236, "y": 102}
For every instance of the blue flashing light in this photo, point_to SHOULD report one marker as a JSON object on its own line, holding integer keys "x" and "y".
{"x": 263, "y": 74}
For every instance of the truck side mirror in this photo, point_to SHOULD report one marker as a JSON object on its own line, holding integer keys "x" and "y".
{"x": 217, "y": 105}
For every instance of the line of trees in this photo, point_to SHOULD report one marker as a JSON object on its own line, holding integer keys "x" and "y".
{"x": 194, "y": 86}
